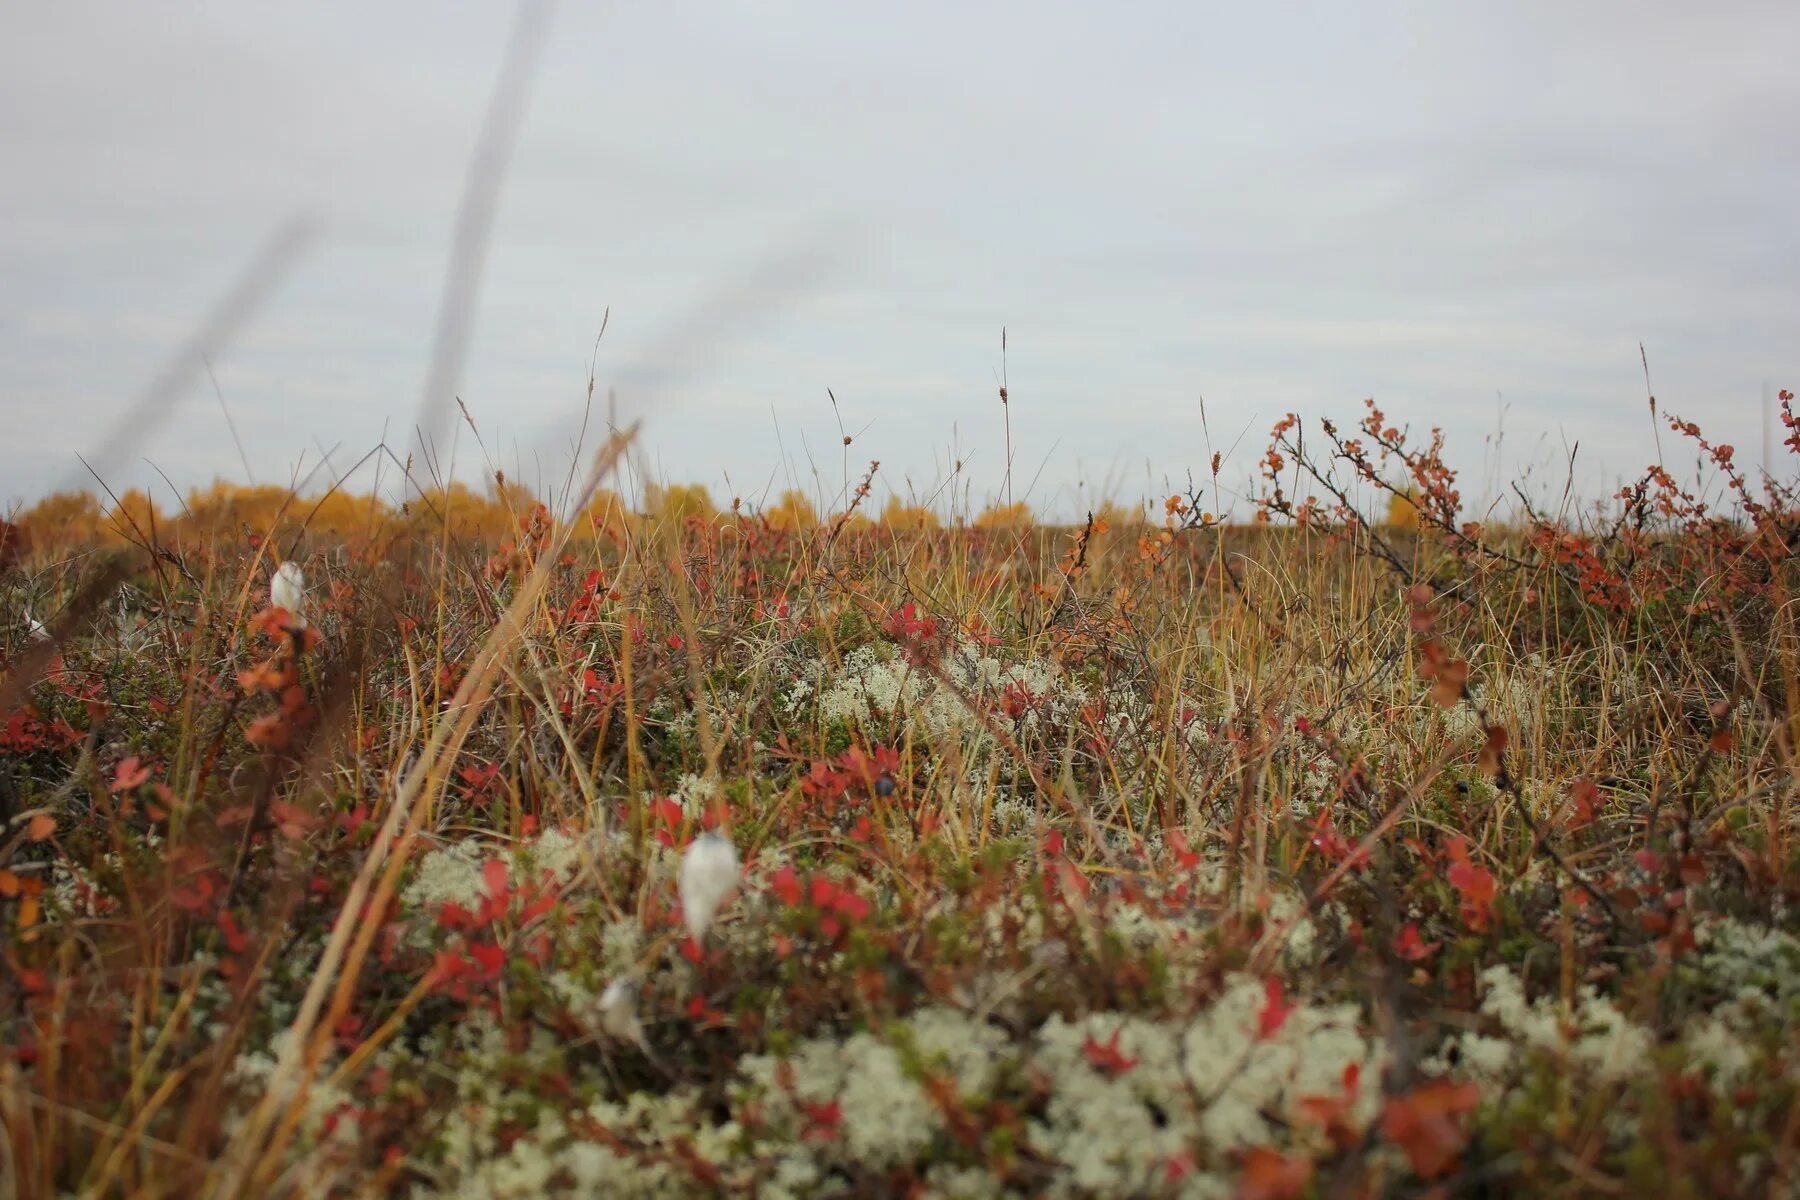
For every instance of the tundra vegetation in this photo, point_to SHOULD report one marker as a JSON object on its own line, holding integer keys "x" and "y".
{"x": 680, "y": 848}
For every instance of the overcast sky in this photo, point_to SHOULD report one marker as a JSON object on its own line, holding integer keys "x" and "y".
{"x": 1448, "y": 207}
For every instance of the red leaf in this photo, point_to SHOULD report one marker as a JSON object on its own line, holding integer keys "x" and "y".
{"x": 489, "y": 956}
{"x": 785, "y": 883}
{"x": 1411, "y": 947}
{"x": 1584, "y": 802}
{"x": 290, "y": 821}
{"x": 1333, "y": 1112}
{"x": 1073, "y": 880}
{"x": 448, "y": 966}
{"x": 1693, "y": 869}
{"x": 236, "y": 941}
{"x": 1333, "y": 845}
{"x": 1105, "y": 1057}
{"x": 1493, "y": 751}
{"x": 493, "y": 878}
{"x": 1426, "y": 1123}
{"x": 271, "y": 732}
{"x": 1475, "y": 884}
{"x": 1271, "y": 1175}
{"x": 237, "y": 814}
{"x": 454, "y": 916}
{"x": 1274, "y": 1013}
{"x": 128, "y": 774}
{"x": 537, "y": 908}
{"x": 478, "y": 779}
{"x": 823, "y": 1121}
{"x": 853, "y": 906}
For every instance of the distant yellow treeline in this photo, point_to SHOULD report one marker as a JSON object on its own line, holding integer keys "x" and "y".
{"x": 502, "y": 511}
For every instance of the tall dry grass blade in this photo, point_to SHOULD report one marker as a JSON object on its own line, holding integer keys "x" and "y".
{"x": 255, "y": 1152}
{"x": 475, "y": 217}
{"x": 247, "y": 295}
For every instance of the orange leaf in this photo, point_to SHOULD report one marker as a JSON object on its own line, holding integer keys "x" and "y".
{"x": 1493, "y": 751}
{"x": 1271, "y": 1175}
{"x": 1476, "y": 885}
{"x": 1584, "y": 802}
{"x": 128, "y": 774}
{"x": 271, "y": 622}
{"x": 270, "y": 732}
{"x": 41, "y": 828}
{"x": 1452, "y": 679}
{"x": 1426, "y": 1123}
{"x": 9, "y": 885}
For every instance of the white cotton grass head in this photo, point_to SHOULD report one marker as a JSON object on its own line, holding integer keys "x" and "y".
{"x": 617, "y": 1009}
{"x": 709, "y": 872}
{"x": 287, "y": 590}
{"x": 34, "y": 629}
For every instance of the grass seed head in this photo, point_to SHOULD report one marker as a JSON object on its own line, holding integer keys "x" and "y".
{"x": 709, "y": 873}
{"x": 288, "y": 591}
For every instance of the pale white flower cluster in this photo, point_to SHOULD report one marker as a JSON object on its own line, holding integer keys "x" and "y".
{"x": 1010, "y": 815}
{"x": 1116, "y": 1132}
{"x": 886, "y": 1117}
{"x": 1176, "y": 932}
{"x": 451, "y": 874}
{"x": 551, "y": 1159}
{"x": 73, "y": 889}
{"x": 254, "y": 1073}
{"x": 1591, "y": 1034}
{"x": 447, "y": 875}
{"x": 1739, "y": 957}
{"x": 1172, "y": 1085}
{"x": 1756, "y": 969}
{"x": 873, "y": 686}
{"x": 695, "y": 794}
{"x": 679, "y": 721}
{"x": 1128, "y": 1095}
{"x": 946, "y": 1181}
{"x": 1723, "y": 1041}
{"x": 557, "y": 853}
{"x": 621, "y": 946}
{"x": 1210, "y": 1081}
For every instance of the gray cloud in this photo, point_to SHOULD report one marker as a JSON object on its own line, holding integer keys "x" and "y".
{"x": 1271, "y": 209}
